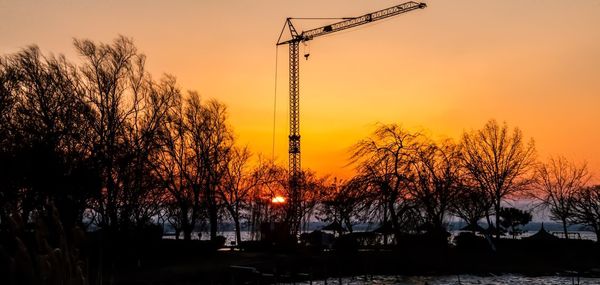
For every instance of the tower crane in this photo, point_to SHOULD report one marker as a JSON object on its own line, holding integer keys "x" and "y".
{"x": 294, "y": 78}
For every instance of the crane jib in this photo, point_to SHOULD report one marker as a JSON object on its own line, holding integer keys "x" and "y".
{"x": 346, "y": 24}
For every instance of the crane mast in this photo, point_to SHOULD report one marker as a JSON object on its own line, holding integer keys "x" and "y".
{"x": 295, "y": 170}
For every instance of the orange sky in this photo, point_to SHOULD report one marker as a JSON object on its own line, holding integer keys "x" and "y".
{"x": 448, "y": 68}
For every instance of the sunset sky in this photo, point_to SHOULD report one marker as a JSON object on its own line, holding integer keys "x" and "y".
{"x": 445, "y": 69}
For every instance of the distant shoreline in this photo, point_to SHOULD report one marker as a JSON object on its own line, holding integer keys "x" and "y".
{"x": 230, "y": 235}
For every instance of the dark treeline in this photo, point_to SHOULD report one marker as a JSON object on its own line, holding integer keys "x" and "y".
{"x": 111, "y": 148}
{"x": 413, "y": 184}
{"x": 103, "y": 146}
{"x": 100, "y": 145}
{"x": 106, "y": 144}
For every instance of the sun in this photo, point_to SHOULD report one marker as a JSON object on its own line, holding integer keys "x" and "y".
{"x": 278, "y": 200}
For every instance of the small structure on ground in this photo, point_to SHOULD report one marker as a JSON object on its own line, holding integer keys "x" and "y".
{"x": 542, "y": 234}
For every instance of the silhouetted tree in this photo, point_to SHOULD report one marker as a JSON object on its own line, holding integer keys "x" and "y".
{"x": 9, "y": 86}
{"x": 8, "y": 89}
{"x": 142, "y": 191}
{"x": 211, "y": 141}
{"x": 511, "y": 218}
{"x": 45, "y": 133}
{"x": 557, "y": 183}
{"x": 471, "y": 203}
{"x": 499, "y": 161}
{"x": 434, "y": 180}
{"x": 239, "y": 182}
{"x": 383, "y": 164}
{"x": 312, "y": 191}
{"x": 108, "y": 70}
{"x": 173, "y": 165}
{"x": 127, "y": 110}
{"x": 274, "y": 181}
{"x": 587, "y": 208}
{"x": 344, "y": 203}
{"x": 193, "y": 162}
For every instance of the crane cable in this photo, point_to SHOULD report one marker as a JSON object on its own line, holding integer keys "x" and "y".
{"x": 275, "y": 94}
{"x": 274, "y": 104}
{"x": 276, "y": 65}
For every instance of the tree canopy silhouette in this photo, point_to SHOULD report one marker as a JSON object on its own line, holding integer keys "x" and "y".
{"x": 499, "y": 161}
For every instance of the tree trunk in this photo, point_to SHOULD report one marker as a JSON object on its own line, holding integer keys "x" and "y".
{"x": 348, "y": 224}
{"x": 497, "y": 209}
{"x": 186, "y": 225}
{"x": 564, "y": 222}
{"x": 489, "y": 221}
{"x": 213, "y": 220}
{"x": 187, "y": 232}
{"x": 395, "y": 222}
{"x": 238, "y": 230}
{"x": 385, "y": 220}
{"x": 474, "y": 223}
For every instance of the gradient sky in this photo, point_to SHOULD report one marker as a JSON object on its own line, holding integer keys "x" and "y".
{"x": 448, "y": 68}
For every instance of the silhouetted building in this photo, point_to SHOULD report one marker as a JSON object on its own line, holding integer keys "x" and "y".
{"x": 542, "y": 234}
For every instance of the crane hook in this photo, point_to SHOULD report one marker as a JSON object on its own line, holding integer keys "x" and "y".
{"x": 306, "y": 50}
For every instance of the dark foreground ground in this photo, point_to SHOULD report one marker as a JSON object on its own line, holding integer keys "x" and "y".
{"x": 179, "y": 262}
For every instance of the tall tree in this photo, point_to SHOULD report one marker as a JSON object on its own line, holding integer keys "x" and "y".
{"x": 239, "y": 182}
{"x": 587, "y": 208}
{"x": 557, "y": 183}
{"x": 471, "y": 204}
{"x": 434, "y": 181}
{"x": 196, "y": 150}
{"x": 275, "y": 181}
{"x": 499, "y": 161}
{"x": 312, "y": 191}
{"x": 127, "y": 110}
{"x": 48, "y": 131}
{"x": 142, "y": 193}
{"x": 212, "y": 141}
{"x": 8, "y": 82}
{"x": 383, "y": 163}
{"x": 106, "y": 72}
{"x": 173, "y": 164}
{"x": 344, "y": 203}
